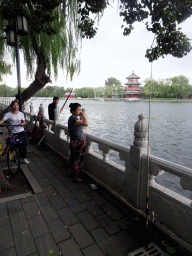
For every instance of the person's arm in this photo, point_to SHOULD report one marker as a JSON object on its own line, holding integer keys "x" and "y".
{"x": 23, "y": 122}
{"x": 61, "y": 110}
{"x": 2, "y": 121}
{"x": 84, "y": 121}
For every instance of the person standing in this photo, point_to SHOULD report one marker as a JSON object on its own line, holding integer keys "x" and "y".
{"x": 52, "y": 107}
{"x": 77, "y": 140}
{"x": 16, "y": 120}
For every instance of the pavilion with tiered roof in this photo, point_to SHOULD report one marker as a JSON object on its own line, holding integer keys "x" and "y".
{"x": 132, "y": 89}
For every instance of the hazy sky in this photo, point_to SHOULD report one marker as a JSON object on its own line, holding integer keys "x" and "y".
{"x": 110, "y": 54}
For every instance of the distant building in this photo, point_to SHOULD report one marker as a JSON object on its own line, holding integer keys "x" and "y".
{"x": 132, "y": 89}
{"x": 71, "y": 96}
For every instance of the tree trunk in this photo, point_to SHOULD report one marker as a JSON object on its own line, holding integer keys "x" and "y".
{"x": 41, "y": 79}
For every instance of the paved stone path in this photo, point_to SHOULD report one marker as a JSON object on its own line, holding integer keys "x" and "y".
{"x": 66, "y": 218}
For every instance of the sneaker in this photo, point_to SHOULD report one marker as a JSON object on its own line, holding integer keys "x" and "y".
{"x": 25, "y": 161}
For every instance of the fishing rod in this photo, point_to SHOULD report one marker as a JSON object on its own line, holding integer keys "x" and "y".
{"x": 44, "y": 100}
{"x": 67, "y": 98}
{"x": 34, "y": 99}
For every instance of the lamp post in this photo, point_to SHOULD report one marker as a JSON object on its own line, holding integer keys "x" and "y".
{"x": 12, "y": 32}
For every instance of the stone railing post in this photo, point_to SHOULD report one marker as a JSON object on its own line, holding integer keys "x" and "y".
{"x": 26, "y": 105}
{"x": 32, "y": 112}
{"x": 133, "y": 166}
{"x": 54, "y": 127}
{"x": 41, "y": 115}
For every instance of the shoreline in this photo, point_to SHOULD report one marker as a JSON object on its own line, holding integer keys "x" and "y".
{"x": 115, "y": 99}
{"x": 126, "y": 100}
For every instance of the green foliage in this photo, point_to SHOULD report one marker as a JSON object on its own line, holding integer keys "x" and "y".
{"x": 86, "y": 24}
{"x": 55, "y": 31}
{"x": 68, "y": 89}
{"x": 6, "y": 91}
{"x": 4, "y": 69}
{"x": 85, "y": 92}
{"x": 112, "y": 87}
{"x": 51, "y": 91}
{"x": 175, "y": 87}
{"x": 162, "y": 19}
{"x": 98, "y": 92}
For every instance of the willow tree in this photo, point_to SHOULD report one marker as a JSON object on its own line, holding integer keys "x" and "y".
{"x": 56, "y": 28}
{"x": 4, "y": 69}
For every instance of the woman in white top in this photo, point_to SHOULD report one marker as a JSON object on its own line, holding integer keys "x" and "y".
{"x": 17, "y": 119}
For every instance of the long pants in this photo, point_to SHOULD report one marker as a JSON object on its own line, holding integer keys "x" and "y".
{"x": 23, "y": 146}
{"x": 78, "y": 150}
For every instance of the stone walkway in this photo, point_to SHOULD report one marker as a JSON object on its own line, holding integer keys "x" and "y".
{"x": 65, "y": 218}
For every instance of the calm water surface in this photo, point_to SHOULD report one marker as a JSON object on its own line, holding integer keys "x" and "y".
{"x": 170, "y": 129}
{"x": 170, "y": 124}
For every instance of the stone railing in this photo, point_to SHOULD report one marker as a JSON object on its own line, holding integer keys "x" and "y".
{"x": 172, "y": 210}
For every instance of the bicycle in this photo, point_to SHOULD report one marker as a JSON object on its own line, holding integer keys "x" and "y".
{"x": 13, "y": 158}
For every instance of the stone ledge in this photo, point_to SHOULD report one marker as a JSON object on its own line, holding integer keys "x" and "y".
{"x": 12, "y": 198}
{"x": 31, "y": 179}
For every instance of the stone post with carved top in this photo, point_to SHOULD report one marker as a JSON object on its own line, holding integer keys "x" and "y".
{"x": 55, "y": 128}
{"x": 32, "y": 112}
{"x": 133, "y": 166}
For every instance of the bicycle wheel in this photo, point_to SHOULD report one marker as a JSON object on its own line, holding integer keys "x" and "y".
{"x": 13, "y": 159}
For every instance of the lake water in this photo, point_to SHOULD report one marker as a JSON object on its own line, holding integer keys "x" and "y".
{"x": 170, "y": 125}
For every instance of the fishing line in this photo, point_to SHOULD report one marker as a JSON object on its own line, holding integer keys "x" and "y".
{"x": 38, "y": 108}
{"x": 29, "y": 102}
{"x": 183, "y": 5}
{"x": 34, "y": 115}
{"x": 148, "y": 147}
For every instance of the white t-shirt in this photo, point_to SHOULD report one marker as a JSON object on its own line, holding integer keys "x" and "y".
{"x": 14, "y": 120}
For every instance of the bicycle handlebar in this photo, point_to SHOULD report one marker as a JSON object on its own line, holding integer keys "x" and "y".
{"x": 6, "y": 125}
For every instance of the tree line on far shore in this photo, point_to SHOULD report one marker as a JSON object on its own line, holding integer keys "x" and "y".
{"x": 175, "y": 87}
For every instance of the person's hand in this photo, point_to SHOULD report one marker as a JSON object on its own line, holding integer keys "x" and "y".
{"x": 83, "y": 114}
{"x": 22, "y": 123}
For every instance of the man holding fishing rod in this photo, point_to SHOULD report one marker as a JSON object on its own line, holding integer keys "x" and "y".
{"x": 52, "y": 107}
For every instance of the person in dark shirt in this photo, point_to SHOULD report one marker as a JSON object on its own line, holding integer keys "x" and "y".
{"x": 77, "y": 140}
{"x": 52, "y": 107}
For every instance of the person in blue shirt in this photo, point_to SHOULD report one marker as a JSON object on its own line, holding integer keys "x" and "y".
{"x": 77, "y": 140}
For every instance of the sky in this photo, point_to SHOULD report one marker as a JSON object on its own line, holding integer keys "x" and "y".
{"x": 110, "y": 54}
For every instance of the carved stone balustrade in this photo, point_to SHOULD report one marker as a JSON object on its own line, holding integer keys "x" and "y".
{"x": 130, "y": 181}
{"x": 105, "y": 149}
{"x": 186, "y": 182}
{"x": 32, "y": 110}
{"x": 141, "y": 128}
